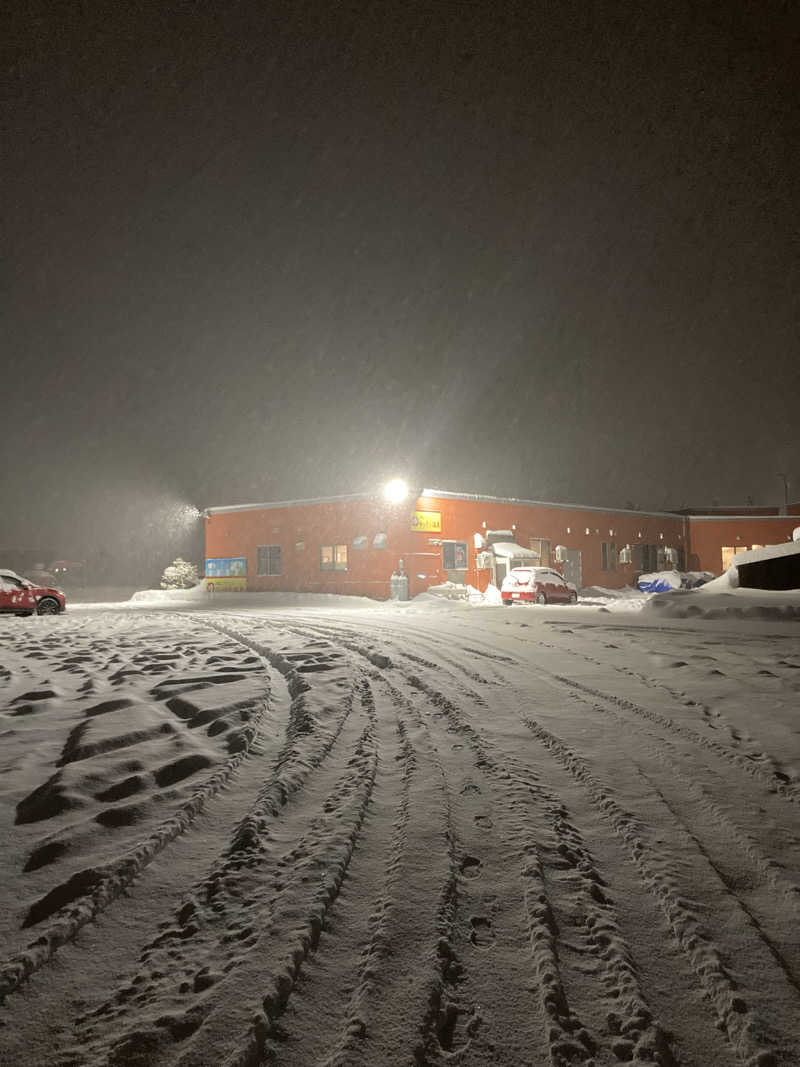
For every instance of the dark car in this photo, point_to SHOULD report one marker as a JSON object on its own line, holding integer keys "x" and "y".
{"x": 18, "y": 596}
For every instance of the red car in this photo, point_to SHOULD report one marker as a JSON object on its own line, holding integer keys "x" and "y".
{"x": 538, "y": 585}
{"x": 18, "y": 596}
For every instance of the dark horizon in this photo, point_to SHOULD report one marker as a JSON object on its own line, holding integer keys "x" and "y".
{"x": 267, "y": 254}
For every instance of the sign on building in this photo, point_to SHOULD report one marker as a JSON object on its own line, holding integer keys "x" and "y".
{"x": 231, "y": 567}
{"x": 427, "y": 521}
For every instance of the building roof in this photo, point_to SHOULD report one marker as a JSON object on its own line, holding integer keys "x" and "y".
{"x": 443, "y": 494}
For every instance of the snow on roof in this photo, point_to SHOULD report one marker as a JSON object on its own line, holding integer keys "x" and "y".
{"x": 287, "y": 503}
{"x": 511, "y": 550}
{"x": 443, "y": 494}
{"x": 755, "y": 555}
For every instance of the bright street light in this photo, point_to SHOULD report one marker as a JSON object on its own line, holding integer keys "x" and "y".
{"x": 395, "y": 491}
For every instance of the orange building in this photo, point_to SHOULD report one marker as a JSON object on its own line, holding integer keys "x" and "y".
{"x": 354, "y": 544}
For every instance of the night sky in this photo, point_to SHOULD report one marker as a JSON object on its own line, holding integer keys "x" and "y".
{"x": 265, "y": 251}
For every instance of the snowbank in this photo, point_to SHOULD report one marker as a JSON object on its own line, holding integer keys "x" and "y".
{"x": 725, "y": 597}
{"x": 720, "y": 599}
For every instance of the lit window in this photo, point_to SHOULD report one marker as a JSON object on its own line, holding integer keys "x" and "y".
{"x": 333, "y": 558}
{"x": 728, "y": 552}
{"x": 454, "y": 555}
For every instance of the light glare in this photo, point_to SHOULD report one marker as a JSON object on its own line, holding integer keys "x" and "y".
{"x": 396, "y": 491}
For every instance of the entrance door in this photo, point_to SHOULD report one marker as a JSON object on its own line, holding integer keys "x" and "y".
{"x": 500, "y": 570}
{"x": 542, "y": 545}
{"x": 573, "y": 569}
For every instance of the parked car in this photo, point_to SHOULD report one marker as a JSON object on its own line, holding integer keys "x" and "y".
{"x": 539, "y": 585}
{"x": 18, "y": 596}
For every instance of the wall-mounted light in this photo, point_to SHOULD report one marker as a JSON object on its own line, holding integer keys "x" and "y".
{"x": 395, "y": 491}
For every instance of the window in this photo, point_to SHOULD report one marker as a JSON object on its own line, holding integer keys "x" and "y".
{"x": 454, "y": 555}
{"x": 360, "y": 542}
{"x": 544, "y": 548}
{"x": 609, "y": 555}
{"x": 333, "y": 558}
{"x": 269, "y": 559}
{"x": 728, "y": 552}
{"x": 645, "y": 558}
{"x": 380, "y": 540}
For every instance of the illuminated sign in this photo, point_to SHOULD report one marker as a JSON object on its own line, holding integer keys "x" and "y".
{"x": 427, "y": 521}
{"x": 233, "y": 567}
{"x": 226, "y": 585}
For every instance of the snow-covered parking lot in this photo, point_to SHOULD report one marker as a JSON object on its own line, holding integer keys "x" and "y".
{"x": 307, "y": 832}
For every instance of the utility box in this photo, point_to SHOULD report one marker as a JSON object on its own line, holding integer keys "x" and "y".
{"x": 398, "y": 586}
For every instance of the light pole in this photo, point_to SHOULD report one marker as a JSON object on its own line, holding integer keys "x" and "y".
{"x": 785, "y": 493}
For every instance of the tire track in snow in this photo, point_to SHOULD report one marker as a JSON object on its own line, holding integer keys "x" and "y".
{"x": 750, "y": 1038}
{"x": 248, "y": 926}
{"x": 768, "y": 764}
{"x": 630, "y": 1027}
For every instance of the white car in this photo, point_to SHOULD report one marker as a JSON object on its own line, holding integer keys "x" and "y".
{"x": 536, "y": 585}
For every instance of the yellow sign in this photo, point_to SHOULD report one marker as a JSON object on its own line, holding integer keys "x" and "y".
{"x": 226, "y": 585}
{"x": 427, "y": 521}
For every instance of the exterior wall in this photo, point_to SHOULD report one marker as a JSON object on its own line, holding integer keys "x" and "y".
{"x": 710, "y": 534}
{"x": 239, "y": 532}
{"x": 568, "y": 526}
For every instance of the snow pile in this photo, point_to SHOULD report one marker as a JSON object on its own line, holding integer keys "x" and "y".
{"x": 160, "y": 596}
{"x": 597, "y": 598}
{"x": 725, "y": 597}
{"x": 449, "y": 590}
{"x": 492, "y": 595}
{"x": 736, "y": 603}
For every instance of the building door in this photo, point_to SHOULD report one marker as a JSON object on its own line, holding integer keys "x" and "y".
{"x": 543, "y": 546}
{"x": 573, "y": 568}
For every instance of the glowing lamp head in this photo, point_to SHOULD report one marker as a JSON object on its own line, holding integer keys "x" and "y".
{"x": 395, "y": 491}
